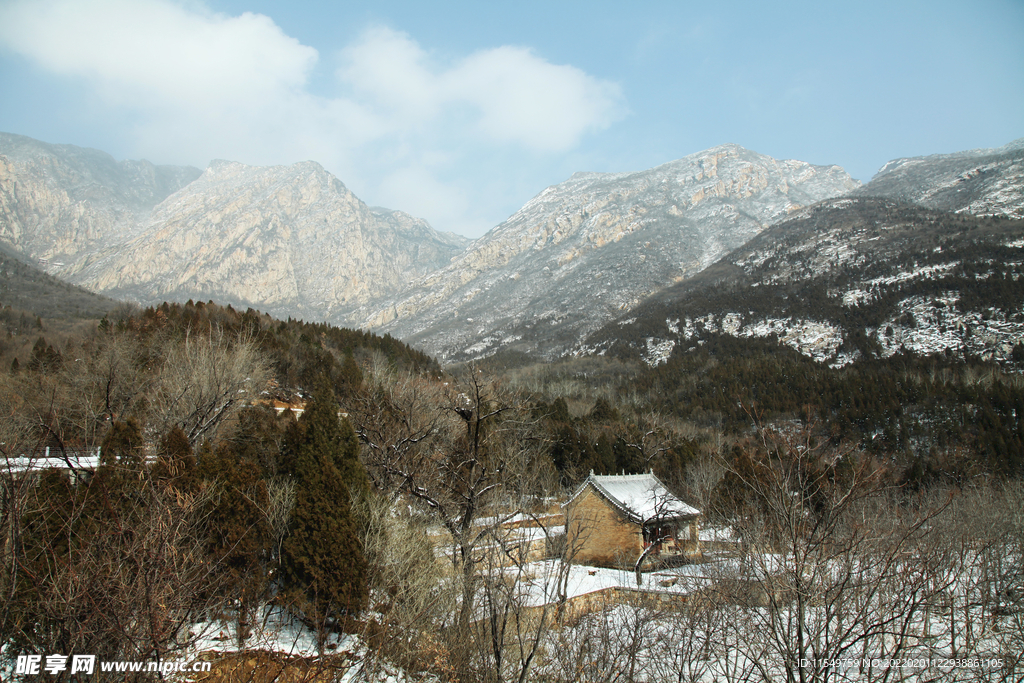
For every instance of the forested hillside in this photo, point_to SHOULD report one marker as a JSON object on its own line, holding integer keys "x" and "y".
{"x": 32, "y": 291}
{"x": 892, "y": 327}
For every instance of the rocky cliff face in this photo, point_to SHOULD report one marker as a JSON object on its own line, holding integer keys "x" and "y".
{"x": 581, "y": 252}
{"x": 59, "y": 203}
{"x": 981, "y": 182}
{"x": 289, "y": 240}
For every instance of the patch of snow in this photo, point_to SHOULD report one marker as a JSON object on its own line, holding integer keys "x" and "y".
{"x": 843, "y": 359}
{"x": 856, "y": 297}
{"x": 731, "y": 323}
{"x": 817, "y": 340}
{"x": 937, "y": 325}
{"x": 658, "y": 351}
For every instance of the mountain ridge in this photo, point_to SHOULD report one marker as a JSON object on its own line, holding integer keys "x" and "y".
{"x": 978, "y": 181}
{"x": 534, "y": 268}
{"x": 294, "y": 241}
{"x": 848, "y": 278}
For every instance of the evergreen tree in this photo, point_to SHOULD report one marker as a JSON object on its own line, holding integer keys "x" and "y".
{"x": 258, "y": 439}
{"x": 122, "y": 445}
{"x": 335, "y": 439}
{"x": 122, "y": 466}
{"x": 240, "y": 537}
{"x": 323, "y": 568}
{"x": 350, "y": 377}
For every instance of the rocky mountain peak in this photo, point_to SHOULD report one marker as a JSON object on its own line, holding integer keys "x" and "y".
{"x": 587, "y": 248}
{"x": 290, "y": 240}
{"x": 60, "y": 202}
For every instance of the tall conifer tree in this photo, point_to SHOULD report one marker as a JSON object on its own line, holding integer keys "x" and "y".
{"x": 240, "y": 536}
{"x": 322, "y": 564}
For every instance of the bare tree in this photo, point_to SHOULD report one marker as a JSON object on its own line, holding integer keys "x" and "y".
{"x": 16, "y": 441}
{"x": 409, "y": 590}
{"x": 839, "y": 566}
{"x": 278, "y": 511}
{"x": 106, "y": 379}
{"x": 399, "y": 419}
{"x": 701, "y": 479}
{"x": 114, "y": 567}
{"x": 462, "y": 450}
{"x": 648, "y": 438}
{"x": 203, "y": 380}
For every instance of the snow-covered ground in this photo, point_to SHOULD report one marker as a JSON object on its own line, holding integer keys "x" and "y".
{"x": 539, "y": 580}
{"x": 815, "y": 339}
{"x": 279, "y": 633}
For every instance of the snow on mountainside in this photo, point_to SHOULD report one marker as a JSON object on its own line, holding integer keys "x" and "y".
{"x": 981, "y": 182}
{"x": 847, "y": 278}
{"x": 582, "y": 251}
{"x": 883, "y": 275}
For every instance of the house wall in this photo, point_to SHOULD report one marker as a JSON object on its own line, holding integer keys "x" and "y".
{"x": 602, "y": 534}
{"x": 687, "y": 541}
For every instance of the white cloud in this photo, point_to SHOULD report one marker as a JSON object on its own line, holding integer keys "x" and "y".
{"x": 155, "y": 53}
{"x": 422, "y": 194}
{"x": 517, "y": 97}
{"x": 198, "y": 85}
{"x": 525, "y": 99}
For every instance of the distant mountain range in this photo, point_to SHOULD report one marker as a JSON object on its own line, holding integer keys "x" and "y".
{"x": 293, "y": 241}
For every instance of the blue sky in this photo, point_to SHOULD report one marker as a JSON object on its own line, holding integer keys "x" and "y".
{"x": 459, "y": 112}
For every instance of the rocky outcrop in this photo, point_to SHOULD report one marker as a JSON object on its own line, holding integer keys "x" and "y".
{"x": 289, "y": 240}
{"x": 583, "y": 251}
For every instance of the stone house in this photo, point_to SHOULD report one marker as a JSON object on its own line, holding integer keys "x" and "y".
{"x": 620, "y": 520}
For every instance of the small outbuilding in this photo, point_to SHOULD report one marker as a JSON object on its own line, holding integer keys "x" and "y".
{"x": 626, "y": 519}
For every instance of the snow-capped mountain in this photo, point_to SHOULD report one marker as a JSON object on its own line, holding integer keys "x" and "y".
{"x": 981, "y": 182}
